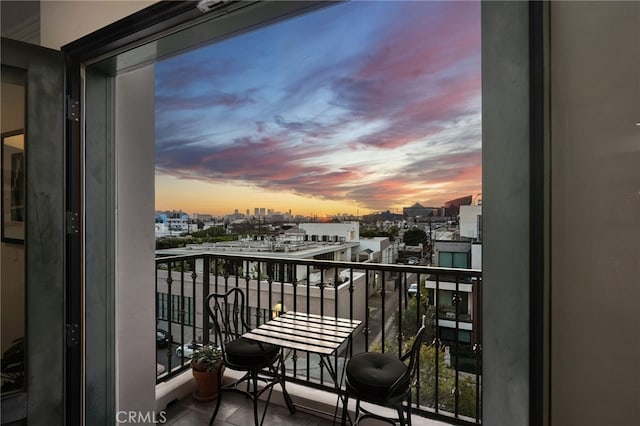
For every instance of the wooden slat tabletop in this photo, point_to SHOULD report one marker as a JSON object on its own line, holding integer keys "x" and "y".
{"x": 306, "y": 332}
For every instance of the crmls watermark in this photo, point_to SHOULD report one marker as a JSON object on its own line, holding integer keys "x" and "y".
{"x": 145, "y": 417}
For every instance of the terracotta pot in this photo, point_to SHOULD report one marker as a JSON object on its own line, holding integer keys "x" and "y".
{"x": 206, "y": 384}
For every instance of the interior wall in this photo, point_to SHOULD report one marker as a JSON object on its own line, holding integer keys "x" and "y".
{"x": 595, "y": 216}
{"x": 135, "y": 241}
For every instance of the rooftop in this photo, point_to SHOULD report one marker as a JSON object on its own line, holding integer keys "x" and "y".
{"x": 297, "y": 249}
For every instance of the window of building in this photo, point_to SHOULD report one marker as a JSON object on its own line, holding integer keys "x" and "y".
{"x": 325, "y": 256}
{"x": 179, "y": 305}
{"x": 448, "y": 259}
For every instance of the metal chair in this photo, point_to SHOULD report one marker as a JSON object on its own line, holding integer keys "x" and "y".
{"x": 384, "y": 380}
{"x": 263, "y": 363}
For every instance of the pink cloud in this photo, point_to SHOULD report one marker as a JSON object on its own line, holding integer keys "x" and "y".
{"x": 421, "y": 76}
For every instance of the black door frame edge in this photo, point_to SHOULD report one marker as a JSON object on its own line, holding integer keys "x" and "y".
{"x": 134, "y": 28}
{"x": 74, "y": 363}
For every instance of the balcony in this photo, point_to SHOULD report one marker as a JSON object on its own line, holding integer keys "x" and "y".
{"x": 236, "y": 411}
{"x": 449, "y": 380}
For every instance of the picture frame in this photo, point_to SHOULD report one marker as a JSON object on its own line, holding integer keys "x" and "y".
{"x": 13, "y": 179}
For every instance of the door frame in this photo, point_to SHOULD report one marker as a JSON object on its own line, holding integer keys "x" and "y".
{"x": 44, "y": 398}
{"x": 165, "y": 17}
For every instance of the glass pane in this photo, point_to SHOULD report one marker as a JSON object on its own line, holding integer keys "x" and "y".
{"x": 445, "y": 259}
{"x": 460, "y": 260}
{"x": 12, "y": 248}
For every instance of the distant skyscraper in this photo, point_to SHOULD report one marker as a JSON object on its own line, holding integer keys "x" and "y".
{"x": 262, "y": 210}
{"x": 256, "y": 211}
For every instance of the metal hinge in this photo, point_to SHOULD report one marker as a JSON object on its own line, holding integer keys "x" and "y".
{"x": 73, "y": 109}
{"x": 72, "y": 335}
{"x": 208, "y": 5}
{"x": 73, "y": 225}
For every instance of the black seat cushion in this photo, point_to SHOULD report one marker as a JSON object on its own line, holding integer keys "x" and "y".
{"x": 244, "y": 352}
{"x": 370, "y": 376}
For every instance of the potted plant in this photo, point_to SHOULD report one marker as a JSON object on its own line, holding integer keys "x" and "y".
{"x": 206, "y": 365}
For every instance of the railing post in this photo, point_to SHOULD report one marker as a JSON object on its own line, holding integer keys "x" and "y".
{"x": 456, "y": 389}
{"x": 194, "y": 298}
{"x": 206, "y": 278}
{"x": 383, "y": 292}
{"x": 436, "y": 395}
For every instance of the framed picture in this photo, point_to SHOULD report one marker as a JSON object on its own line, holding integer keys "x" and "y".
{"x": 13, "y": 187}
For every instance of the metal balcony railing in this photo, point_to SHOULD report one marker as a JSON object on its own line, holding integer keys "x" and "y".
{"x": 449, "y": 379}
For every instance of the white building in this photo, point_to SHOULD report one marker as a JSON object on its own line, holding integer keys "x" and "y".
{"x": 378, "y": 249}
{"x": 471, "y": 222}
{"x": 348, "y": 231}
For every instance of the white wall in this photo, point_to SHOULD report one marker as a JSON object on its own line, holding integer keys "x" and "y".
{"x": 469, "y": 221}
{"x": 476, "y": 256}
{"x": 348, "y": 230}
{"x": 135, "y": 241}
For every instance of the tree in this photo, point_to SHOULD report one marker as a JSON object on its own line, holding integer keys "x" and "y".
{"x": 376, "y": 233}
{"x": 446, "y": 379}
{"x": 446, "y": 384}
{"x": 415, "y": 237}
{"x": 214, "y": 231}
{"x": 410, "y": 321}
{"x": 424, "y": 391}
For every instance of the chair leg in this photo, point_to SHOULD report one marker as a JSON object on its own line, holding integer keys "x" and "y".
{"x": 218, "y": 398}
{"x": 401, "y": 416}
{"x": 285, "y": 394}
{"x": 252, "y": 391}
{"x": 254, "y": 376}
{"x": 345, "y": 409}
{"x": 357, "y": 421}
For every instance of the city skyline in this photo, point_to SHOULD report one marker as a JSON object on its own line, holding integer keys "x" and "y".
{"x": 351, "y": 115}
{"x": 268, "y": 211}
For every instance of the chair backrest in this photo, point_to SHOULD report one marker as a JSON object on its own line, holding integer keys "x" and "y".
{"x": 227, "y": 311}
{"x": 412, "y": 355}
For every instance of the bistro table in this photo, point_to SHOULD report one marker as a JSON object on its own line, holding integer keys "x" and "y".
{"x": 317, "y": 334}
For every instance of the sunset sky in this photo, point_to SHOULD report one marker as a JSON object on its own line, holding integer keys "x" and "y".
{"x": 356, "y": 108}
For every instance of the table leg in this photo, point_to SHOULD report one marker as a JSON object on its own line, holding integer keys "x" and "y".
{"x": 285, "y": 394}
{"x": 337, "y": 381}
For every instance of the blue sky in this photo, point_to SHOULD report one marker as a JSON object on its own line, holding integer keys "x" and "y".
{"x": 358, "y": 107}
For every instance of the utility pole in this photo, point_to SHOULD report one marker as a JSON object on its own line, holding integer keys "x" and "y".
{"x": 430, "y": 242}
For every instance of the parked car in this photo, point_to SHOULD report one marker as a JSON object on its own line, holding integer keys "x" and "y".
{"x": 412, "y": 290}
{"x": 187, "y": 349}
{"x": 162, "y": 338}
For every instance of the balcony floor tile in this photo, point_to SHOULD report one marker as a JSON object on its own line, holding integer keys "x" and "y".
{"x": 235, "y": 410}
